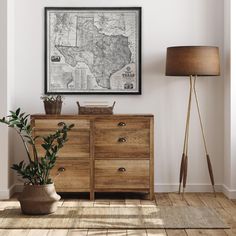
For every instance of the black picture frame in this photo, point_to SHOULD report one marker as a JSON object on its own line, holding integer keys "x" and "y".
{"x": 138, "y": 53}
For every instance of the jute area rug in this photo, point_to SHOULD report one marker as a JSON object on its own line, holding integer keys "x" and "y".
{"x": 107, "y": 217}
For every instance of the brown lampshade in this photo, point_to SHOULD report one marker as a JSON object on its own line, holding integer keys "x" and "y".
{"x": 192, "y": 60}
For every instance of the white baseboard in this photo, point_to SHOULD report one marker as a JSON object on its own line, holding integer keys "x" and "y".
{"x": 7, "y": 193}
{"x": 159, "y": 188}
{"x": 4, "y": 194}
{"x": 230, "y": 193}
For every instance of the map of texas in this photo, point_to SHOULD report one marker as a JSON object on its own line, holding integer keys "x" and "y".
{"x": 103, "y": 54}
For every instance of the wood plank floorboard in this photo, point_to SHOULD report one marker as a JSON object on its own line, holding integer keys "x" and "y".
{"x": 224, "y": 201}
{"x": 96, "y": 232}
{"x": 14, "y": 232}
{"x": 206, "y": 232}
{"x": 209, "y": 200}
{"x": 193, "y": 200}
{"x": 117, "y": 232}
{"x": 176, "y": 232}
{"x": 225, "y": 208}
{"x": 58, "y": 232}
{"x": 117, "y": 203}
{"x": 136, "y": 232}
{"x": 101, "y": 202}
{"x": 177, "y": 199}
{"x": 133, "y": 202}
{"x": 76, "y": 232}
{"x": 156, "y": 232}
{"x": 38, "y": 232}
{"x": 162, "y": 199}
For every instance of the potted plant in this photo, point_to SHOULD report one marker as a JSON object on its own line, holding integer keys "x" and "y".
{"x": 39, "y": 195}
{"x": 52, "y": 104}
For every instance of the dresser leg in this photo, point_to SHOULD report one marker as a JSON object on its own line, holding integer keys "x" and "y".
{"x": 149, "y": 196}
{"x": 92, "y": 196}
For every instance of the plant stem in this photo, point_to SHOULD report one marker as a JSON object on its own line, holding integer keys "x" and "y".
{"x": 25, "y": 145}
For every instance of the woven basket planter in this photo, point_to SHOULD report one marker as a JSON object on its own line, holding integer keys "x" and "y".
{"x": 52, "y": 107}
{"x": 39, "y": 199}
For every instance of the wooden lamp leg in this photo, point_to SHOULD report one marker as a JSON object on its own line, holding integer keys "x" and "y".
{"x": 204, "y": 139}
{"x": 184, "y": 160}
{"x": 181, "y": 171}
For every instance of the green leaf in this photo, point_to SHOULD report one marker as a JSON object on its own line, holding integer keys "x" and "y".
{"x": 20, "y": 126}
{"x": 61, "y": 124}
{"x": 36, "y": 137}
{"x": 28, "y": 128}
{"x": 16, "y": 122}
{"x": 22, "y": 114}
{"x": 71, "y": 126}
{"x": 45, "y": 146}
{"x": 26, "y": 116}
{"x": 21, "y": 164}
{"x": 4, "y": 121}
{"x": 43, "y": 161}
{"x": 46, "y": 139}
{"x": 30, "y": 142}
{"x": 64, "y": 136}
{"x": 18, "y": 111}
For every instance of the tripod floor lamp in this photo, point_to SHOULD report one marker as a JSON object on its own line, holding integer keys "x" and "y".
{"x": 192, "y": 61}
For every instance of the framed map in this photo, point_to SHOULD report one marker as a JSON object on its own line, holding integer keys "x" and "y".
{"x": 93, "y": 50}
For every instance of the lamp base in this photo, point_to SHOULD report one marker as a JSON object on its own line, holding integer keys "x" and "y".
{"x": 184, "y": 159}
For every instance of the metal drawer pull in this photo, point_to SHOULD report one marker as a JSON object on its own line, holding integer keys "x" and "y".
{"x": 121, "y": 124}
{"x": 121, "y": 169}
{"x": 122, "y": 140}
{"x": 61, "y": 169}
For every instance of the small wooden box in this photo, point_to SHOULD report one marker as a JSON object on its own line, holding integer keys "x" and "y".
{"x": 95, "y": 110}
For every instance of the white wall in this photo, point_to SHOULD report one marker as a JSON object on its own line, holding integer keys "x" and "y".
{"x": 230, "y": 100}
{"x": 6, "y": 93}
{"x": 233, "y": 98}
{"x": 227, "y": 119}
{"x": 3, "y": 96}
{"x": 165, "y": 23}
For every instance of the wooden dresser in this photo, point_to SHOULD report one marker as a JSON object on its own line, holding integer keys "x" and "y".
{"x": 105, "y": 153}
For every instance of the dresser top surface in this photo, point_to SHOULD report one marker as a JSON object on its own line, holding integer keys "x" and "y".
{"x": 74, "y": 116}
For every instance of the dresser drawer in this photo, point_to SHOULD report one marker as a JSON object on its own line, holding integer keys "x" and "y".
{"x": 122, "y": 143}
{"x": 121, "y": 174}
{"x": 122, "y": 124}
{"x": 75, "y": 176}
{"x": 122, "y": 137}
{"x": 77, "y": 146}
{"x": 116, "y": 151}
{"x": 53, "y": 123}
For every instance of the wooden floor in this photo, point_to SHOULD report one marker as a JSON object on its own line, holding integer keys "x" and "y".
{"x": 224, "y": 207}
